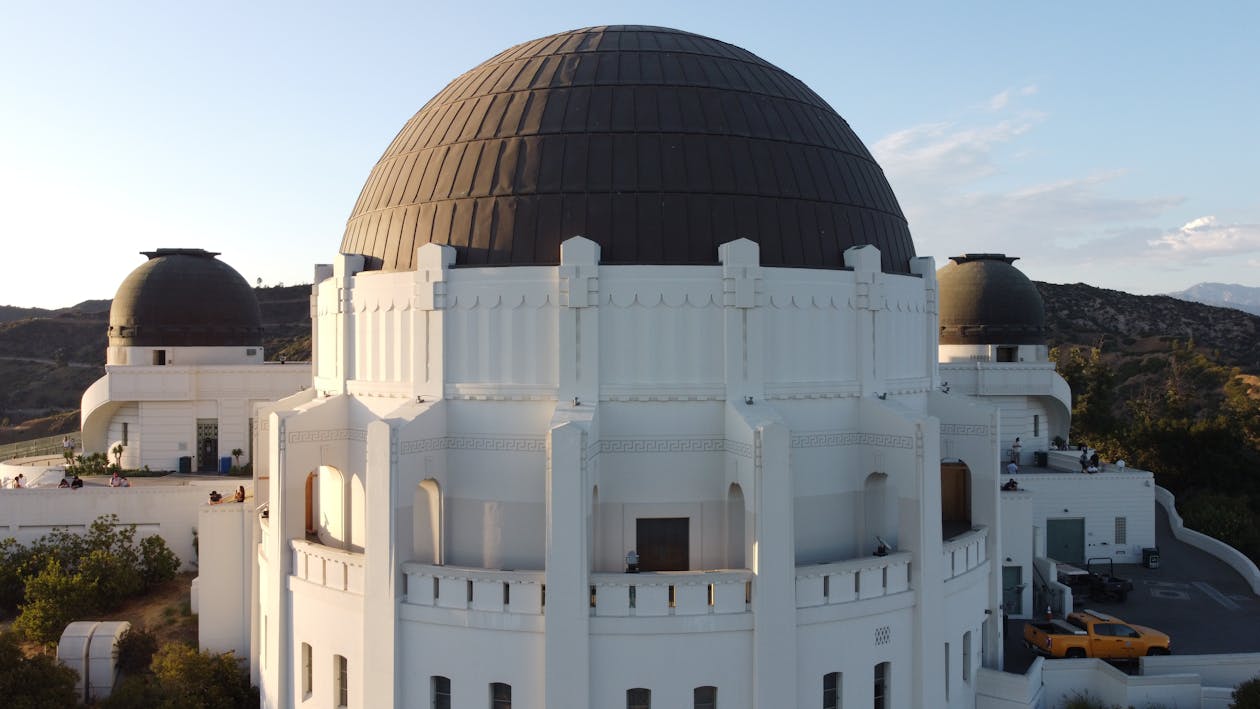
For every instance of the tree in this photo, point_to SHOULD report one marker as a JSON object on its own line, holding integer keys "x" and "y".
{"x": 202, "y": 679}
{"x": 38, "y": 682}
{"x": 54, "y": 597}
{"x": 117, "y": 451}
{"x": 158, "y": 563}
{"x": 237, "y": 453}
{"x": 1247, "y": 695}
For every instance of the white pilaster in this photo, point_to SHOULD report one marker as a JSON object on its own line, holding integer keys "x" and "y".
{"x": 868, "y": 301}
{"x": 774, "y": 568}
{"x": 579, "y": 320}
{"x": 567, "y": 619}
{"x": 742, "y": 326}
{"x": 428, "y": 352}
{"x": 380, "y": 570}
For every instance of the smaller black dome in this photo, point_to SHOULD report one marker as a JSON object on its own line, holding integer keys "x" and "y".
{"x": 984, "y": 300}
{"x": 184, "y": 298}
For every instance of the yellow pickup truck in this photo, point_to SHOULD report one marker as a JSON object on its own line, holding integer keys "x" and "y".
{"x": 1093, "y": 634}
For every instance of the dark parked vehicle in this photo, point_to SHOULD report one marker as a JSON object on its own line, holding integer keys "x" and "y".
{"x": 1103, "y": 582}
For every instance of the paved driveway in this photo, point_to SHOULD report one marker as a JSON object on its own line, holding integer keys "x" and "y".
{"x": 1201, "y": 602}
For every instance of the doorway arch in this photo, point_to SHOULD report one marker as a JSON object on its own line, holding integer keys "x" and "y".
{"x": 955, "y": 498}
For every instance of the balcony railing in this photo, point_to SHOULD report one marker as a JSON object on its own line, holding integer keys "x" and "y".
{"x": 671, "y": 593}
{"x": 337, "y": 569}
{"x": 965, "y": 552}
{"x": 499, "y": 591}
{"x": 852, "y": 580}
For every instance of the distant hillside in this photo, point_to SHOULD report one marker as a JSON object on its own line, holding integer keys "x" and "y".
{"x": 1225, "y": 295}
{"x": 49, "y": 357}
{"x": 1139, "y": 325}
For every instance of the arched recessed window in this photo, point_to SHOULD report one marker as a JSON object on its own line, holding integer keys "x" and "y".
{"x": 440, "y": 692}
{"x": 638, "y": 698}
{"x": 427, "y": 522}
{"x": 331, "y": 519}
{"x": 735, "y": 527}
{"x": 341, "y": 681}
{"x": 831, "y": 690}
{"x": 704, "y": 698}
{"x": 882, "y": 681}
{"x": 500, "y": 696}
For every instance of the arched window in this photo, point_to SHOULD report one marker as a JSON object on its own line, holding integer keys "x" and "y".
{"x": 704, "y": 698}
{"x": 312, "y": 503}
{"x": 440, "y": 692}
{"x": 882, "y": 681}
{"x": 831, "y": 690}
{"x": 426, "y": 544}
{"x": 735, "y": 527}
{"x": 638, "y": 698}
{"x": 500, "y": 695}
{"x": 358, "y": 518}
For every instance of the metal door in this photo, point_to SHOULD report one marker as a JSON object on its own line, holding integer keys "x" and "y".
{"x": 1065, "y": 540}
{"x": 663, "y": 543}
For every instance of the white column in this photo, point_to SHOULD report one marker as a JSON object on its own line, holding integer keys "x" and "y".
{"x": 567, "y": 617}
{"x": 380, "y": 571}
{"x": 579, "y": 321}
{"x": 925, "y": 268}
{"x": 742, "y": 326}
{"x": 428, "y": 353}
{"x": 344, "y": 269}
{"x": 865, "y": 262}
{"x": 929, "y": 625}
{"x": 774, "y": 568}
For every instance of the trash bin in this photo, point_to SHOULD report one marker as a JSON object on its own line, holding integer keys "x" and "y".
{"x": 1041, "y": 459}
{"x": 225, "y": 465}
{"x": 185, "y": 464}
{"x": 1150, "y": 557}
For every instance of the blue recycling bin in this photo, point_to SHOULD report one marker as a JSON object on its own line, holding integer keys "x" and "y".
{"x": 225, "y": 465}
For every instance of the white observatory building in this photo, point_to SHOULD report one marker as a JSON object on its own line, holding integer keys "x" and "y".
{"x": 626, "y": 289}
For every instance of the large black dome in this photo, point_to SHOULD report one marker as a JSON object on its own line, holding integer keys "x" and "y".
{"x": 985, "y": 300}
{"x": 184, "y": 298}
{"x": 657, "y": 144}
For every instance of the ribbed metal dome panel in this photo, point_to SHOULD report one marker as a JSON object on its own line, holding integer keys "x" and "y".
{"x": 184, "y": 298}
{"x": 985, "y": 300}
{"x": 657, "y": 144}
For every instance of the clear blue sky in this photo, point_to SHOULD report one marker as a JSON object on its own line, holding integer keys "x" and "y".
{"x": 1110, "y": 143}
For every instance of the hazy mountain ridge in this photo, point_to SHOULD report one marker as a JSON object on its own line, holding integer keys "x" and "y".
{"x": 49, "y": 357}
{"x": 1137, "y": 325}
{"x": 1225, "y": 295}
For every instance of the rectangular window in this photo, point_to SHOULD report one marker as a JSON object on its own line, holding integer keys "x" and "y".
{"x": 307, "y": 673}
{"x": 341, "y": 681}
{"x": 1122, "y": 531}
{"x": 831, "y": 690}
{"x": 1006, "y": 354}
{"x": 881, "y": 686}
{"x": 441, "y": 690}
{"x": 704, "y": 698}
{"x": 967, "y": 657}
{"x": 500, "y": 696}
{"x": 638, "y": 698}
{"x": 159, "y": 357}
{"x": 1036, "y": 425}
{"x": 947, "y": 672}
{"x": 126, "y": 438}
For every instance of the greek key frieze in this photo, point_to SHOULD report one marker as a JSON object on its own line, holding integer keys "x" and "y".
{"x": 964, "y": 429}
{"x": 338, "y": 434}
{"x": 839, "y": 439}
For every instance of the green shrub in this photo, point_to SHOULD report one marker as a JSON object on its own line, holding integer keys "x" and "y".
{"x": 38, "y": 682}
{"x": 54, "y": 597}
{"x": 1247, "y": 695}
{"x": 202, "y": 679}
{"x": 135, "y": 651}
{"x": 158, "y": 564}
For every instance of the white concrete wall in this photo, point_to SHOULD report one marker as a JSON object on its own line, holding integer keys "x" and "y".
{"x": 224, "y": 576}
{"x": 170, "y": 511}
{"x": 1098, "y": 499}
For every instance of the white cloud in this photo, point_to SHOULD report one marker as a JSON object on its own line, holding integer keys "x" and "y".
{"x": 1205, "y": 237}
{"x": 999, "y": 100}
{"x": 963, "y": 186}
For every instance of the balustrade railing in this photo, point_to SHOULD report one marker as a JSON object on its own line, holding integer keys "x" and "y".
{"x": 671, "y": 593}
{"x": 965, "y": 552}
{"x": 337, "y": 569}
{"x": 852, "y": 580}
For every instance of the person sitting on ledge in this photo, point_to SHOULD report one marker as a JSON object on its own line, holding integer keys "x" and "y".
{"x": 215, "y": 497}
{"x": 76, "y": 483}
{"x": 1010, "y": 485}
{"x": 240, "y": 494}
{"x": 64, "y": 483}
